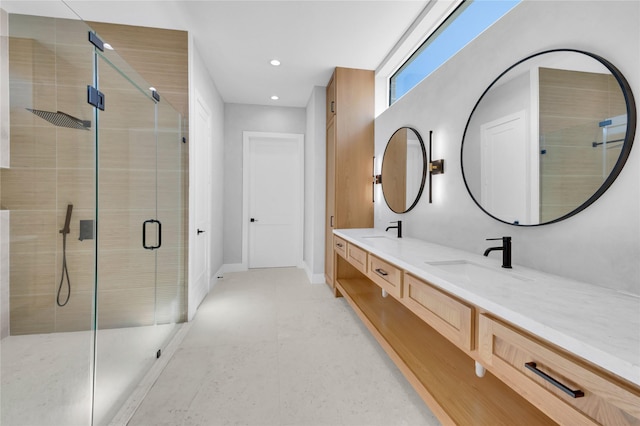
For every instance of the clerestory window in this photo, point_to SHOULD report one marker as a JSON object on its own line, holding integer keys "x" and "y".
{"x": 464, "y": 24}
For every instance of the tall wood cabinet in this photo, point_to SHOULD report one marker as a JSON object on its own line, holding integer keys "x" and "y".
{"x": 350, "y": 115}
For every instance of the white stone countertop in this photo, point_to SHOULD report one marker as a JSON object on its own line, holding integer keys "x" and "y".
{"x": 598, "y": 324}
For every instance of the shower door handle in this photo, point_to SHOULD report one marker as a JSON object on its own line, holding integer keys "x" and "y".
{"x": 144, "y": 234}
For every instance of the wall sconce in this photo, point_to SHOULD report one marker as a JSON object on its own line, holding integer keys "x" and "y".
{"x": 436, "y": 167}
{"x": 376, "y": 179}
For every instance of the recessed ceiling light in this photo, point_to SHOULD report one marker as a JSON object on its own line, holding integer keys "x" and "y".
{"x": 153, "y": 89}
{"x": 275, "y": 62}
{"x": 274, "y": 98}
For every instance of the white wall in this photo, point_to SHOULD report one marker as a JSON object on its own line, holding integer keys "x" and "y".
{"x": 201, "y": 83}
{"x": 314, "y": 185}
{"x": 600, "y": 245}
{"x": 237, "y": 119}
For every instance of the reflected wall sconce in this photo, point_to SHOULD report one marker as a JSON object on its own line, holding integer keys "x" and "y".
{"x": 436, "y": 167}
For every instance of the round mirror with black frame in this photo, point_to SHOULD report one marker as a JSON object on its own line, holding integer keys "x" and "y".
{"x": 548, "y": 137}
{"x": 404, "y": 170}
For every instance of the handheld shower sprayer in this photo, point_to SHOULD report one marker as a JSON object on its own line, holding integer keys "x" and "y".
{"x": 65, "y": 272}
{"x": 67, "y": 221}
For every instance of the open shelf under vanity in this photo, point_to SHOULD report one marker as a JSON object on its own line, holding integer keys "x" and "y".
{"x": 441, "y": 373}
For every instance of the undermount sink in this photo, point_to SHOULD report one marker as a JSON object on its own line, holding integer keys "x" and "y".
{"x": 380, "y": 236}
{"x": 474, "y": 272}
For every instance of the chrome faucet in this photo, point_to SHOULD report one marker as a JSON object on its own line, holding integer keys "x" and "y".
{"x": 506, "y": 250}
{"x": 398, "y": 226}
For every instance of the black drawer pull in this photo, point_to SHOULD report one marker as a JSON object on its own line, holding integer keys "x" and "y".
{"x": 339, "y": 245}
{"x": 382, "y": 272}
{"x": 573, "y": 393}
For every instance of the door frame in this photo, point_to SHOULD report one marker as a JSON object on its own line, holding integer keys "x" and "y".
{"x": 196, "y": 295}
{"x": 246, "y": 138}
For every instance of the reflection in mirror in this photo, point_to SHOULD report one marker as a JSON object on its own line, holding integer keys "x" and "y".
{"x": 548, "y": 137}
{"x": 403, "y": 170}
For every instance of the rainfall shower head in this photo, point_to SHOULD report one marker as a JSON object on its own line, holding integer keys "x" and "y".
{"x": 62, "y": 119}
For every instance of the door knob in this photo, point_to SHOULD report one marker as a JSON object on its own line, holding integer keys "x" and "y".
{"x": 254, "y": 220}
{"x": 200, "y": 231}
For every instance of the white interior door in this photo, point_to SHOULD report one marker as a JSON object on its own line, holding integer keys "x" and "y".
{"x": 275, "y": 199}
{"x": 505, "y": 169}
{"x": 202, "y": 185}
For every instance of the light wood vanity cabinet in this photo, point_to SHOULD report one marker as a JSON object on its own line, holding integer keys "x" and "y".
{"x": 435, "y": 337}
{"x": 567, "y": 389}
{"x": 385, "y": 275}
{"x": 449, "y": 316}
{"x": 350, "y": 115}
{"x": 340, "y": 246}
{"x": 357, "y": 257}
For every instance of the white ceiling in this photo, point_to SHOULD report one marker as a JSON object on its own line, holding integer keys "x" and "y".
{"x": 237, "y": 39}
{"x": 310, "y": 38}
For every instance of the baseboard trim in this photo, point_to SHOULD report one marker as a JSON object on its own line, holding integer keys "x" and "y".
{"x": 196, "y": 297}
{"x": 234, "y": 267}
{"x": 218, "y": 275}
{"x": 313, "y": 278}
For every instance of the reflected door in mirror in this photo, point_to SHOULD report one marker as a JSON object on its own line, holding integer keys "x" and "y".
{"x": 507, "y": 184}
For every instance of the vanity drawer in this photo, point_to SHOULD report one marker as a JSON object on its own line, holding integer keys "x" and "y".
{"x": 340, "y": 246}
{"x": 450, "y": 317}
{"x": 387, "y": 276}
{"x": 590, "y": 397}
{"x": 357, "y": 257}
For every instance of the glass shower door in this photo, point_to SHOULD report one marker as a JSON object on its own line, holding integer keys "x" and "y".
{"x": 48, "y": 191}
{"x": 130, "y": 327}
{"x": 172, "y": 163}
{"x": 85, "y": 306}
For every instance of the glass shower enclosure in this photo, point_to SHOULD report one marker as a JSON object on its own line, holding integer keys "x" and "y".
{"x": 94, "y": 195}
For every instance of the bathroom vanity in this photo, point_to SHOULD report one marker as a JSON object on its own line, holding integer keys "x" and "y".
{"x": 555, "y": 350}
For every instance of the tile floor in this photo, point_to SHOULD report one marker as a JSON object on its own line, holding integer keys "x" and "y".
{"x": 46, "y": 379}
{"x": 268, "y": 348}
